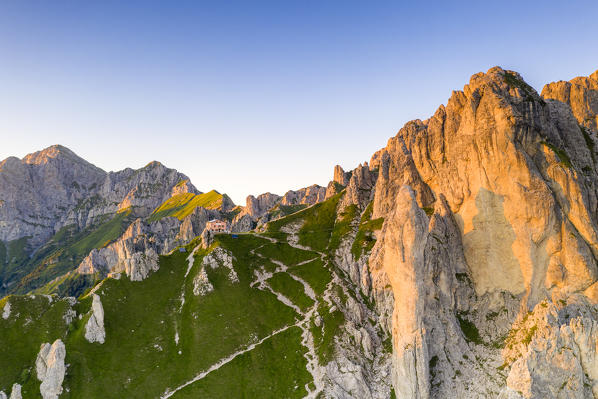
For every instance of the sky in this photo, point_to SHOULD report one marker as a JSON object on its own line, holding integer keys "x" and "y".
{"x": 249, "y": 97}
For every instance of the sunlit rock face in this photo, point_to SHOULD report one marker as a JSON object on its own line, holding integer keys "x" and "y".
{"x": 514, "y": 177}
{"x": 581, "y": 94}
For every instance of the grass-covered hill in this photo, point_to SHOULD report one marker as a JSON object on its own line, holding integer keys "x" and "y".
{"x": 268, "y": 332}
{"x": 182, "y": 205}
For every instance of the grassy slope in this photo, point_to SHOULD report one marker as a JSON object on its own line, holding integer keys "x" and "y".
{"x": 364, "y": 240}
{"x": 275, "y": 369}
{"x": 317, "y": 224}
{"x": 13, "y": 257}
{"x": 315, "y": 273}
{"x": 284, "y": 210}
{"x": 285, "y": 253}
{"x": 323, "y": 232}
{"x": 292, "y": 289}
{"x": 140, "y": 358}
{"x": 61, "y": 254}
{"x": 67, "y": 249}
{"x": 33, "y": 320}
{"x": 141, "y": 315}
{"x": 182, "y": 205}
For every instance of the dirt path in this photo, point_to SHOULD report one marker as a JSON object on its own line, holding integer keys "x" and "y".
{"x": 222, "y": 362}
{"x": 307, "y": 339}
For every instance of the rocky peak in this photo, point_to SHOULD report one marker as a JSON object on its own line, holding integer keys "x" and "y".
{"x": 257, "y": 207}
{"x": 498, "y": 190}
{"x": 43, "y": 183}
{"x": 144, "y": 188}
{"x": 359, "y": 187}
{"x": 581, "y": 94}
{"x": 340, "y": 176}
{"x": 57, "y": 152}
{"x": 307, "y": 195}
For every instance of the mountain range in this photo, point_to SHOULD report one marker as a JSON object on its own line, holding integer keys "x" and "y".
{"x": 460, "y": 261}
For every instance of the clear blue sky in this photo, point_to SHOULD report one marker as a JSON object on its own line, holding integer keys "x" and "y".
{"x": 248, "y": 97}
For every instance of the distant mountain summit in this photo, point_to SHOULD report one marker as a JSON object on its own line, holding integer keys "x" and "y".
{"x": 54, "y": 195}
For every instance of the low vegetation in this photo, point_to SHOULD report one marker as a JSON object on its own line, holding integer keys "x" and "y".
{"x": 364, "y": 240}
{"x": 469, "y": 329}
{"x": 182, "y": 205}
{"x": 560, "y": 153}
{"x": 60, "y": 255}
{"x": 342, "y": 227}
{"x": 292, "y": 289}
{"x": 331, "y": 321}
{"x": 315, "y": 273}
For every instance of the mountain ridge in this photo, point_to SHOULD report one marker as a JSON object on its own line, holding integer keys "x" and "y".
{"x": 461, "y": 261}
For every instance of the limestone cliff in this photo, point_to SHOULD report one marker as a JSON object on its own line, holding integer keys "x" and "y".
{"x": 490, "y": 214}
{"x": 581, "y": 94}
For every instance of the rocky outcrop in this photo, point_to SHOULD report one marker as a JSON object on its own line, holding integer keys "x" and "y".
{"x": 308, "y": 196}
{"x": 15, "y": 393}
{"x": 136, "y": 252}
{"x": 266, "y": 207}
{"x": 552, "y": 351}
{"x": 332, "y": 189}
{"x": 201, "y": 284}
{"x": 94, "y": 329}
{"x": 218, "y": 257}
{"x": 242, "y": 222}
{"x": 581, "y": 94}
{"x": 221, "y": 257}
{"x": 53, "y": 188}
{"x": 226, "y": 204}
{"x": 206, "y": 238}
{"x": 6, "y": 310}
{"x": 50, "y": 369}
{"x": 340, "y": 176}
{"x": 490, "y": 209}
{"x": 52, "y": 195}
{"x": 190, "y": 227}
{"x": 360, "y": 186}
{"x": 35, "y": 191}
{"x": 257, "y": 207}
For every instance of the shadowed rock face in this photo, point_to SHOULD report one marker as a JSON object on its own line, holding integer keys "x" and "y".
{"x": 43, "y": 183}
{"x": 515, "y": 176}
{"x": 257, "y": 207}
{"x": 53, "y": 188}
